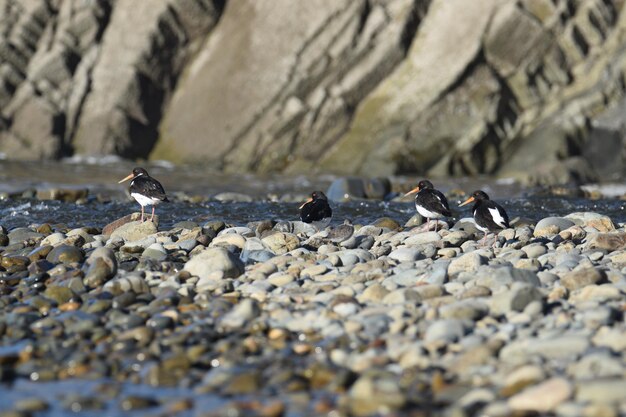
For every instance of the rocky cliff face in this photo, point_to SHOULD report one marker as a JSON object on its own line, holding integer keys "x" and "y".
{"x": 375, "y": 87}
{"x": 92, "y": 76}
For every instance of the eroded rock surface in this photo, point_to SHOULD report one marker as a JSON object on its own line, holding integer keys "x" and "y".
{"x": 438, "y": 87}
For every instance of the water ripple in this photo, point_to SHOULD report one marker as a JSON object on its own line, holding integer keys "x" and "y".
{"x": 17, "y": 213}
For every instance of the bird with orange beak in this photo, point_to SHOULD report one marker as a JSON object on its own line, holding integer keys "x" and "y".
{"x": 430, "y": 203}
{"x": 145, "y": 190}
{"x": 488, "y": 215}
{"x": 316, "y": 210}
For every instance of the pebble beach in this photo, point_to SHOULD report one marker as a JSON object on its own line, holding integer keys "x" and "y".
{"x": 279, "y": 319}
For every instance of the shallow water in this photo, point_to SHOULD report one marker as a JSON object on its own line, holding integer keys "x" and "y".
{"x": 19, "y": 213}
{"x": 100, "y": 178}
{"x": 64, "y": 398}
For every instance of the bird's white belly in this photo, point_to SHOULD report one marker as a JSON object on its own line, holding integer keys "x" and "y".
{"x": 427, "y": 213}
{"x": 145, "y": 201}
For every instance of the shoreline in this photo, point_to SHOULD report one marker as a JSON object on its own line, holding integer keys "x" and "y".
{"x": 351, "y": 320}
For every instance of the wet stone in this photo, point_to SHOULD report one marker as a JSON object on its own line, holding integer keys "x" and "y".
{"x": 15, "y": 262}
{"x": 244, "y": 383}
{"x": 387, "y": 223}
{"x": 160, "y": 322}
{"x": 126, "y": 283}
{"x": 23, "y": 234}
{"x": 31, "y": 405}
{"x": 65, "y": 254}
{"x": 372, "y": 392}
{"x": 97, "y": 273}
{"x": 59, "y": 294}
{"x": 39, "y": 253}
{"x": 62, "y": 194}
{"x": 156, "y": 252}
{"x": 77, "y": 404}
{"x": 134, "y": 402}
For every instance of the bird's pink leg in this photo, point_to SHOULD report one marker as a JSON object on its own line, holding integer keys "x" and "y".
{"x": 142, "y": 214}
{"x": 152, "y": 217}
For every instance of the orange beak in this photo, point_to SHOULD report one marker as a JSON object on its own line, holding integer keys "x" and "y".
{"x": 129, "y": 177}
{"x": 413, "y": 191}
{"x": 305, "y": 203}
{"x": 469, "y": 200}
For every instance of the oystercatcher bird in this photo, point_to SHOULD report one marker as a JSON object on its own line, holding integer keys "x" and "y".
{"x": 430, "y": 203}
{"x": 316, "y": 210}
{"x": 145, "y": 190}
{"x": 489, "y": 215}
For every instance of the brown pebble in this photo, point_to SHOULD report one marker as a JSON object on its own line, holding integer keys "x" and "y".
{"x": 70, "y": 306}
{"x": 180, "y": 405}
{"x": 302, "y": 348}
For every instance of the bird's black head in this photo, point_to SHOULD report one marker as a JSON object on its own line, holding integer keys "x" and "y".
{"x": 477, "y": 195}
{"x": 318, "y": 195}
{"x": 139, "y": 171}
{"x": 480, "y": 195}
{"x": 425, "y": 185}
{"x": 136, "y": 172}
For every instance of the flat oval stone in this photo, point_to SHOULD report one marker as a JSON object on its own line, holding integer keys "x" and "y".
{"x": 65, "y": 254}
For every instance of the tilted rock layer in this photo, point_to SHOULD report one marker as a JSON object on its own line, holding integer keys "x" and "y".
{"x": 375, "y": 87}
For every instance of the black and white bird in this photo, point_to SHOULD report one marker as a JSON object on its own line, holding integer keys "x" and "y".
{"x": 316, "y": 210}
{"x": 145, "y": 190}
{"x": 489, "y": 215}
{"x": 430, "y": 203}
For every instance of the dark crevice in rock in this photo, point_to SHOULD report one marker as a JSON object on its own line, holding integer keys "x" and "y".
{"x": 103, "y": 16}
{"x": 217, "y": 5}
{"x": 595, "y": 23}
{"x": 365, "y": 12}
{"x": 58, "y": 131}
{"x": 279, "y": 96}
{"x": 368, "y": 84}
{"x": 419, "y": 11}
{"x": 503, "y": 128}
{"x": 580, "y": 41}
{"x": 156, "y": 78}
{"x": 478, "y": 60}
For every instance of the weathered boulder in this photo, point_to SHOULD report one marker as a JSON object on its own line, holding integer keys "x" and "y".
{"x": 215, "y": 260}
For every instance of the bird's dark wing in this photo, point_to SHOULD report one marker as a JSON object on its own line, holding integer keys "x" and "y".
{"x": 440, "y": 202}
{"x": 315, "y": 210}
{"x": 503, "y": 215}
{"x": 491, "y": 215}
{"x": 148, "y": 186}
